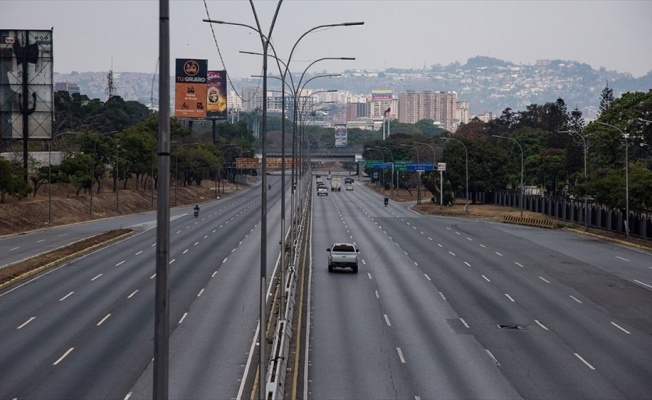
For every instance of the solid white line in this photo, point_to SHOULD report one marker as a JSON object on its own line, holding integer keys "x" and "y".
{"x": 576, "y": 299}
{"x": 624, "y": 259}
{"x": 96, "y": 277}
{"x": 427, "y": 277}
{"x": 66, "y": 296}
{"x": 120, "y": 263}
{"x": 492, "y": 357}
{"x": 544, "y": 279}
{"x": 387, "y": 320}
{"x": 369, "y": 275}
{"x": 132, "y": 294}
{"x": 487, "y": 279}
{"x": 644, "y": 284}
{"x": 63, "y": 356}
{"x": 103, "y": 319}
{"x": 200, "y": 292}
{"x": 510, "y": 298}
{"x": 182, "y": 318}
{"x": 138, "y": 253}
{"x": 27, "y": 322}
{"x": 464, "y": 322}
{"x": 541, "y": 325}
{"x": 400, "y": 355}
{"x": 621, "y": 328}
{"x": 442, "y": 295}
{"x": 584, "y": 361}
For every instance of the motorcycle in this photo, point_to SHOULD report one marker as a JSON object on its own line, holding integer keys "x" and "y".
{"x": 196, "y": 213}
{"x": 386, "y": 201}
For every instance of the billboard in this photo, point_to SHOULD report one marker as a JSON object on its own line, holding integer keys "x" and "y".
{"x": 26, "y": 84}
{"x": 216, "y": 95}
{"x": 340, "y": 135}
{"x": 381, "y": 94}
{"x": 190, "y": 88}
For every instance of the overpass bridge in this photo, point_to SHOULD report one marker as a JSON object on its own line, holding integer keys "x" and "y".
{"x": 344, "y": 154}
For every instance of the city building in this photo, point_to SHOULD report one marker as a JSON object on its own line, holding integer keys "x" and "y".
{"x": 441, "y": 107}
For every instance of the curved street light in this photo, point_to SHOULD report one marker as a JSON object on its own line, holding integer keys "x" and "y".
{"x": 522, "y": 167}
{"x": 392, "y": 175}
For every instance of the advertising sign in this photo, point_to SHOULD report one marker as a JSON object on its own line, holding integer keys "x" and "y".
{"x": 190, "y": 88}
{"x": 216, "y": 95}
{"x": 384, "y": 94}
{"x": 26, "y": 83}
{"x": 340, "y": 135}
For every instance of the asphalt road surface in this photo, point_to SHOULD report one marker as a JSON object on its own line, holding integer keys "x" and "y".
{"x": 455, "y": 308}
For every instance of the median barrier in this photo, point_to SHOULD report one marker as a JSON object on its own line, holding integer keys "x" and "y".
{"x": 530, "y": 221}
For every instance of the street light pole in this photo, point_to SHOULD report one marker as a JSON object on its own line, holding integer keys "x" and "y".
{"x": 522, "y": 167}
{"x": 585, "y": 147}
{"x": 626, "y": 137}
{"x": 418, "y": 171}
{"x": 392, "y": 175}
{"x": 466, "y": 154}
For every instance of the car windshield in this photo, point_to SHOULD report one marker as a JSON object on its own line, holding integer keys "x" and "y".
{"x": 343, "y": 247}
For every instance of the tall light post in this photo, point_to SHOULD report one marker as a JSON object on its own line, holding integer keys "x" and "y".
{"x": 381, "y": 156}
{"x": 466, "y": 154}
{"x": 522, "y": 167}
{"x": 418, "y": 171}
{"x": 626, "y": 137}
{"x": 392, "y": 175}
{"x": 441, "y": 174}
{"x": 585, "y": 147}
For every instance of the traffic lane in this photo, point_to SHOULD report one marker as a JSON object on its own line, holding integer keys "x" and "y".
{"x": 348, "y": 343}
{"x": 437, "y": 350}
{"x": 81, "y": 303}
{"x": 537, "y": 296}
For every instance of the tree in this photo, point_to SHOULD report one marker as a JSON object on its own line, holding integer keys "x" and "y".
{"x": 12, "y": 180}
{"x": 606, "y": 98}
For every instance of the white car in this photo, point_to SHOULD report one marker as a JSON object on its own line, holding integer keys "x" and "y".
{"x": 322, "y": 190}
{"x": 349, "y": 186}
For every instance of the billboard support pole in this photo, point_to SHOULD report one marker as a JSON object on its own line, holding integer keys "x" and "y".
{"x": 25, "y": 105}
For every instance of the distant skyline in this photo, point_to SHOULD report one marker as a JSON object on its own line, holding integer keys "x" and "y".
{"x": 90, "y": 36}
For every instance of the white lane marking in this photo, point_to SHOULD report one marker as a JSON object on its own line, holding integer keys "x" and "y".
{"x": 215, "y": 230}
{"x": 400, "y": 355}
{"x": 152, "y": 277}
{"x": 624, "y": 259}
{"x": 173, "y": 260}
{"x": 14, "y": 248}
{"x": 104, "y": 319}
{"x": 182, "y": 318}
{"x": 66, "y": 296}
{"x": 120, "y": 263}
{"x": 39, "y": 241}
{"x": 177, "y": 232}
{"x": 185, "y": 251}
{"x": 224, "y": 261}
{"x": 429, "y": 238}
{"x": 498, "y": 253}
{"x": 486, "y": 279}
{"x": 510, "y": 298}
{"x": 451, "y": 253}
{"x": 644, "y": 284}
{"x": 442, "y": 295}
{"x": 469, "y": 239}
{"x": 214, "y": 273}
{"x": 422, "y": 232}
{"x": 467, "y": 264}
{"x": 457, "y": 233}
{"x": 132, "y": 294}
{"x": 621, "y": 328}
{"x": 196, "y": 243}
{"x": 464, "y": 323}
{"x": 544, "y": 279}
{"x": 576, "y": 299}
{"x": 482, "y": 245}
{"x": 492, "y": 357}
{"x": 439, "y": 244}
{"x": 363, "y": 261}
{"x": 377, "y": 295}
{"x": 64, "y": 356}
{"x": 233, "y": 250}
{"x": 541, "y": 325}
{"x": 369, "y": 274}
{"x": 153, "y": 244}
{"x": 584, "y": 361}
{"x": 200, "y": 292}
{"x": 520, "y": 265}
{"x": 138, "y": 253}
{"x": 448, "y": 228}
{"x": 96, "y": 277}
{"x": 26, "y": 322}
{"x": 205, "y": 236}
{"x": 427, "y": 277}
{"x": 387, "y": 320}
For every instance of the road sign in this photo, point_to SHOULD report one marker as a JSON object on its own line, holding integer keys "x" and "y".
{"x": 420, "y": 166}
{"x": 441, "y": 166}
{"x": 370, "y": 163}
{"x": 400, "y": 166}
{"x": 382, "y": 165}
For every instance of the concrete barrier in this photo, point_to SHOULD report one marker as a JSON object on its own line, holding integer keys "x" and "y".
{"x": 530, "y": 221}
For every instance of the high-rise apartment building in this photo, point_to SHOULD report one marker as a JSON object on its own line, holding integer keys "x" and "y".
{"x": 441, "y": 107}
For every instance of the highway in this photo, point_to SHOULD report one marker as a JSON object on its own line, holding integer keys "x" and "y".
{"x": 458, "y": 308}
{"x": 85, "y": 329}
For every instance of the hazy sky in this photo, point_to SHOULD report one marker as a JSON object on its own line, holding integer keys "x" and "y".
{"x": 89, "y": 35}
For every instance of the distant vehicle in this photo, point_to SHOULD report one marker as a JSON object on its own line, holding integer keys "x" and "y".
{"x": 319, "y": 180}
{"x": 343, "y": 255}
{"x": 336, "y": 184}
{"x": 349, "y": 186}
{"x": 348, "y": 180}
{"x": 322, "y": 190}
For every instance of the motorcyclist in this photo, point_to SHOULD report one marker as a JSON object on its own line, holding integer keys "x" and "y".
{"x": 269, "y": 186}
{"x": 386, "y": 201}
{"x": 196, "y": 210}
